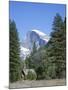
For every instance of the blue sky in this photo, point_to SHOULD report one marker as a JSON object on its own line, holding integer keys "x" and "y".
{"x": 29, "y": 16}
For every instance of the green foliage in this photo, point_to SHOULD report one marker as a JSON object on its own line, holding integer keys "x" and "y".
{"x": 30, "y": 60}
{"x": 51, "y": 71}
{"x": 40, "y": 72}
{"x": 56, "y": 48}
{"x": 37, "y": 62}
{"x": 14, "y": 60}
{"x": 31, "y": 76}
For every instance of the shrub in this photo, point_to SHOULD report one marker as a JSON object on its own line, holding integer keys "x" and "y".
{"x": 31, "y": 76}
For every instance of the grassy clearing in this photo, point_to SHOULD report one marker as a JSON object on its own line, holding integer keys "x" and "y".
{"x": 37, "y": 83}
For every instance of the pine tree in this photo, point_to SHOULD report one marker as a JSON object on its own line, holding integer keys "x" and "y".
{"x": 34, "y": 50}
{"x": 56, "y": 47}
{"x": 64, "y": 50}
{"x": 14, "y": 61}
{"x": 30, "y": 60}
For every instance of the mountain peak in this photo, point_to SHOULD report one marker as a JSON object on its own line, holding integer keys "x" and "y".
{"x": 32, "y": 36}
{"x": 38, "y": 32}
{"x": 41, "y": 34}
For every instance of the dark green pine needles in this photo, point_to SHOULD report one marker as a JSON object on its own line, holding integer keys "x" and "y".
{"x": 57, "y": 47}
{"x": 14, "y": 63}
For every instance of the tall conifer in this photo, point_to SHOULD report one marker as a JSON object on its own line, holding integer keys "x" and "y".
{"x": 14, "y": 61}
{"x": 56, "y": 48}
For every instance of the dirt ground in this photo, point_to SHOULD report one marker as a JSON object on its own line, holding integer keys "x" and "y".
{"x": 37, "y": 83}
